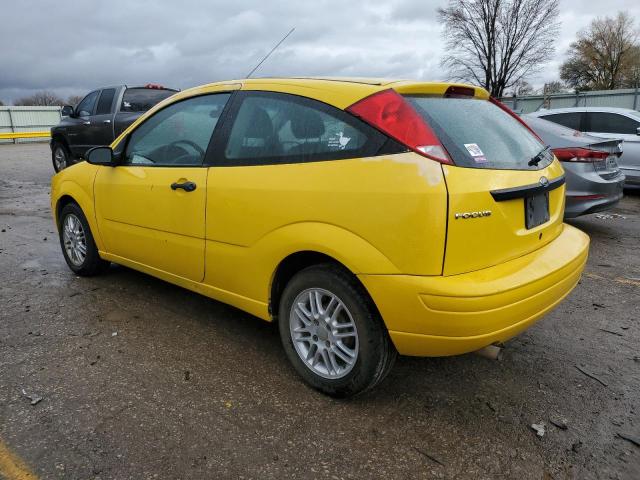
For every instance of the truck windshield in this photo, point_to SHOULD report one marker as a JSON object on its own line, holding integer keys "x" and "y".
{"x": 142, "y": 99}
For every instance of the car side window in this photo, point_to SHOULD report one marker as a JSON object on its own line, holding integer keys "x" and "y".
{"x": 604, "y": 122}
{"x": 177, "y": 135}
{"x": 85, "y": 107}
{"x": 571, "y": 119}
{"x": 106, "y": 99}
{"x": 274, "y": 128}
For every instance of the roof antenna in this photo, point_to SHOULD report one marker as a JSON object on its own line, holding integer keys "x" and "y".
{"x": 272, "y": 50}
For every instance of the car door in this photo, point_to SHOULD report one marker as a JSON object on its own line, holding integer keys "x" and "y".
{"x": 78, "y": 128}
{"x": 619, "y": 126}
{"x": 100, "y": 130}
{"x": 151, "y": 208}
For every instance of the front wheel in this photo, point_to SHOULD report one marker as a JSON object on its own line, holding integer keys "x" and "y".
{"x": 332, "y": 332}
{"x": 78, "y": 246}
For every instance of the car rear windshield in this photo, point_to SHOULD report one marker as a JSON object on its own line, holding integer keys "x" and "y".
{"x": 142, "y": 99}
{"x": 479, "y": 134}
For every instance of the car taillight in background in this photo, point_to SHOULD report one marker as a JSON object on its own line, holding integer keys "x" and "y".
{"x": 582, "y": 155}
{"x": 154, "y": 86}
{"x": 389, "y": 112}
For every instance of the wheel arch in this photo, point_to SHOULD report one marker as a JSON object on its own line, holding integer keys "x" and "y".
{"x": 296, "y": 262}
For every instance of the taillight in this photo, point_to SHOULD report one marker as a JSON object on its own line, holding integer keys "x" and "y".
{"x": 154, "y": 86}
{"x": 584, "y": 155}
{"x": 389, "y": 112}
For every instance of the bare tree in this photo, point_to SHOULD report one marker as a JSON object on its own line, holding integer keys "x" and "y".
{"x": 74, "y": 100}
{"x": 522, "y": 88}
{"x": 496, "y": 43}
{"x": 41, "y": 99}
{"x": 604, "y": 56}
{"x": 555, "y": 86}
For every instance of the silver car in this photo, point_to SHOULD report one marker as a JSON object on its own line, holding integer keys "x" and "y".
{"x": 594, "y": 180}
{"x": 605, "y": 122}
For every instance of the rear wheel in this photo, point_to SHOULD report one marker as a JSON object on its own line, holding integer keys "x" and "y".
{"x": 78, "y": 246}
{"x": 60, "y": 156}
{"x": 332, "y": 332}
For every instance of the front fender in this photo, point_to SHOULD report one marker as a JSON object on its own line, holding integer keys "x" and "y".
{"x": 76, "y": 183}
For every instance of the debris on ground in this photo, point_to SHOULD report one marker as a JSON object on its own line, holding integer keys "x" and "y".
{"x": 114, "y": 334}
{"x": 561, "y": 423}
{"x": 539, "y": 428}
{"x": 35, "y": 399}
{"x": 610, "y": 216}
{"x": 611, "y": 332}
{"x": 590, "y": 375}
{"x": 630, "y": 438}
{"x": 430, "y": 457}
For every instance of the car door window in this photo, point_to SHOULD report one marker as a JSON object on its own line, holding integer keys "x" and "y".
{"x": 178, "y": 134}
{"x": 85, "y": 107}
{"x": 106, "y": 99}
{"x": 604, "y": 122}
{"x": 272, "y": 128}
{"x": 570, "y": 120}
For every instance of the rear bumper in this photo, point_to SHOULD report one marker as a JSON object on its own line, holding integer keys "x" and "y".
{"x": 437, "y": 316}
{"x": 588, "y": 192}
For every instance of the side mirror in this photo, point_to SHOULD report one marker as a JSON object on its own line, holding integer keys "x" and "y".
{"x": 67, "y": 111}
{"x": 101, "y": 156}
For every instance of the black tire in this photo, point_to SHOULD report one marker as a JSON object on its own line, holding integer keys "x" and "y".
{"x": 63, "y": 160}
{"x": 91, "y": 263}
{"x": 375, "y": 353}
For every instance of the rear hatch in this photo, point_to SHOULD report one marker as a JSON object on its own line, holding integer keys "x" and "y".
{"x": 506, "y": 190}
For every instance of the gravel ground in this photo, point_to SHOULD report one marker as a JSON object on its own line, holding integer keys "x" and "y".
{"x": 140, "y": 379}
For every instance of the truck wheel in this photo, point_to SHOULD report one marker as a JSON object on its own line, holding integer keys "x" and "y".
{"x": 332, "y": 332}
{"x": 60, "y": 156}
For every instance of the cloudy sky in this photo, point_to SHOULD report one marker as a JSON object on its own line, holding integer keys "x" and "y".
{"x": 70, "y": 47}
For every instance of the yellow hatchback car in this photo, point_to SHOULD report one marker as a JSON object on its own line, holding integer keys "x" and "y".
{"x": 367, "y": 218}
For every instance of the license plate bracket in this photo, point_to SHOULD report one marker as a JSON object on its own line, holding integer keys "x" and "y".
{"x": 536, "y": 210}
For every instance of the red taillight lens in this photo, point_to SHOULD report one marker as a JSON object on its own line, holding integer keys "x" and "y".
{"x": 392, "y": 114}
{"x": 154, "y": 86}
{"x": 584, "y": 155}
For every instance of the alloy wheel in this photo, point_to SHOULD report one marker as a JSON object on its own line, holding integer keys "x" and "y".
{"x": 324, "y": 333}
{"x": 74, "y": 239}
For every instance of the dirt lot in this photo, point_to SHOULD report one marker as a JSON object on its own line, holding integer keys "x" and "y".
{"x": 140, "y": 379}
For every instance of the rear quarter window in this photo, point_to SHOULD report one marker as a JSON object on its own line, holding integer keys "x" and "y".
{"x": 478, "y": 134}
{"x": 274, "y": 128}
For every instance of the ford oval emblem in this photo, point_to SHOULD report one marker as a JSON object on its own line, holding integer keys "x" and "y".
{"x": 544, "y": 181}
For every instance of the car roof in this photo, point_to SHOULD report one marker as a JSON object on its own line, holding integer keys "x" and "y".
{"x": 337, "y": 91}
{"x": 587, "y": 109}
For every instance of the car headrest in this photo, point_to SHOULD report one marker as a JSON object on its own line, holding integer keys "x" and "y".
{"x": 306, "y": 123}
{"x": 261, "y": 125}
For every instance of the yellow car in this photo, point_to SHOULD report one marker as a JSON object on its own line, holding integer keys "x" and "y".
{"x": 367, "y": 218}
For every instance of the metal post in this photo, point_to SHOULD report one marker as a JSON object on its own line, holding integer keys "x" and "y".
{"x": 635, "y": 99}
{"x": 13, "y": 130}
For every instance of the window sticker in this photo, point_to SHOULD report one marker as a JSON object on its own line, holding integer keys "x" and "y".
{"x": 475, "y": 151}
{"x": 339, "y": 141}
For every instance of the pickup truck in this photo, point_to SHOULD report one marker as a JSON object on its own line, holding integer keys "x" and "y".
{"x": 99, "y": 118}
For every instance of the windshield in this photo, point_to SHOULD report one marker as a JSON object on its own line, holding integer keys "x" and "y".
{"x": 478, "y": 134}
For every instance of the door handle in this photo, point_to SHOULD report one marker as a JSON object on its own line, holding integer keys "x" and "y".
{"x": 186, "y": 186}
{"x": 106, "y": 121}
{"x": 86, "y": 123}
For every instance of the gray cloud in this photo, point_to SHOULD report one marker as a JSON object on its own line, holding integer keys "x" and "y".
{"x": 71, "y": 47}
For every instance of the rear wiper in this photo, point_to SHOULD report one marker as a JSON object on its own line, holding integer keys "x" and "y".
{"x": 538, "y": 158}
